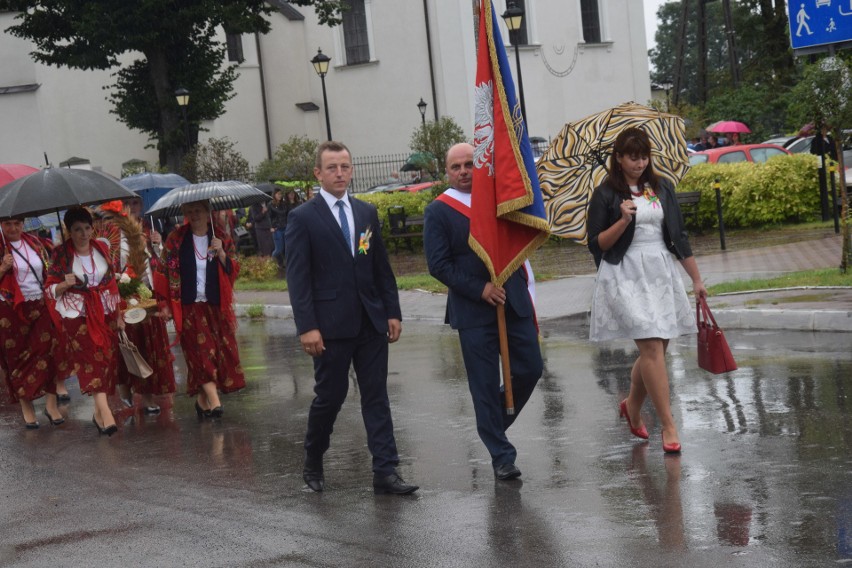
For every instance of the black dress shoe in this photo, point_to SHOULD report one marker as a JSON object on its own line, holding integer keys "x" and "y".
{"x": 392, "y": 484}
{"x": 31, "y": 425}
{"x": 507, "y": 471}
{"x": 63, "y": 397}
{"x": 54, "y": 421}
{"x": 313, "y": 475}
{"x": 217, "y": 412}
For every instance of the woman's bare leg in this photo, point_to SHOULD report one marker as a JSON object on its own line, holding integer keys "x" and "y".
{"x": 655, "y": 378}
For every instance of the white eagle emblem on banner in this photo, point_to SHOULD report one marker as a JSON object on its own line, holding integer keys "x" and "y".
{"x": 483, "y": 130}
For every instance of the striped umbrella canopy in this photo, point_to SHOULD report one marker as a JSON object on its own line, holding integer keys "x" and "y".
{"x": 220, "y": 194}
{"x": 576, "y": 161}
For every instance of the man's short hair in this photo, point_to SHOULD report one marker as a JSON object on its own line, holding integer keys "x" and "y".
{"x": 330, "y": 146}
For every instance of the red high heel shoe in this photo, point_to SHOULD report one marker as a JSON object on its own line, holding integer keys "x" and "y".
{"x": 638, "y": 432}
{"x": 673, "y": 448}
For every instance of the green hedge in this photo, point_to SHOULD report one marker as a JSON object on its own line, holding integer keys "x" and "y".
{"x": 784, "y": 189}
{"x": 414, "y": 203}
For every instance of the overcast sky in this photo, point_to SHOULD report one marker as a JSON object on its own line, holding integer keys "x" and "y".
{"x": 651, "y": 7}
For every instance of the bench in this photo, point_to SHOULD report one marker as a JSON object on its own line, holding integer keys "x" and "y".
{"x": 688, "y": 201}
{"x": 404, "y": 227}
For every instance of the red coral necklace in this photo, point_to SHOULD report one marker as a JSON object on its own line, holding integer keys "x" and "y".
{"x": 94, "y": 269}
{"x": 200, "y": 255}
{"x": 27, "y": 263}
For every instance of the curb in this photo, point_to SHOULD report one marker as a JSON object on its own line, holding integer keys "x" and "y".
{"x": 776, "y": 320}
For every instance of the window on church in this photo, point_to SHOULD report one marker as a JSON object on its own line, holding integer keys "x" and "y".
{"x": 234, "y": 43}
{"x": 590, "y": 12}
{"x": 355, "y": 37}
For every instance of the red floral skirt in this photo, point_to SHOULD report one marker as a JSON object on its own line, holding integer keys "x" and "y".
{"x": 152, "y": 339}
{"x": 27, "y": 350}
{"x": 96, "y": 367}
{"x": 209, "y": 346}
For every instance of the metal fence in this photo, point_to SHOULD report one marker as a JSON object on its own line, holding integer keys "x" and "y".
{"x": 376, "y": 170}
{"x": 386, "y": 168}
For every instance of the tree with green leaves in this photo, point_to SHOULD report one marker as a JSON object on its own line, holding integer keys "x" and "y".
{"x": 824, "y": 96}
{"x": 177, "y": 46}
{"x": 435, "y": 138}
{"x": 217, "y": 160}
{"x": 293, "y": 161}
{"x": 763, "y": 52}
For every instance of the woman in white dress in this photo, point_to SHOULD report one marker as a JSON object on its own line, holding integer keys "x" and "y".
{"x": 636, "y": 231}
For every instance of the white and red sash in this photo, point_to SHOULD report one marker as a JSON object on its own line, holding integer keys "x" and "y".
{"x": 460, "y": 201}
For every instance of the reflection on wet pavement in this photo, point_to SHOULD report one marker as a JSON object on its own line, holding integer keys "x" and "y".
{"x": 764, "y": 478}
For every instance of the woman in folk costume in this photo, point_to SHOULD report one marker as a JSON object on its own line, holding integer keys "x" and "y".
{"x": 202, "y": 267}
{"x": 28, "y": 338}
{"x": 134, "y": 258}
{"x": 82, "y": 288}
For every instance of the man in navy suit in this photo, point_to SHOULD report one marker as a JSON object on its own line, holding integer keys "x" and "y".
{"x": 471, "y": 309}
{"x": 346, "y": 306}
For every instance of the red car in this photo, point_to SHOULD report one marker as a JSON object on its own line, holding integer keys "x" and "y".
{"x": 413, "y": 188}
{"x": 742, "y": 153}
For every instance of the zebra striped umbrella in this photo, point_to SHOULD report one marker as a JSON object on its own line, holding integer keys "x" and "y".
{"x": 576, "y": 161}
{"x": 220, "y": 194}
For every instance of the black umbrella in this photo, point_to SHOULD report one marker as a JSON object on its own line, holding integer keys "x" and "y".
{"x": 220, "y": 194}
{"x": 52, "y": 189}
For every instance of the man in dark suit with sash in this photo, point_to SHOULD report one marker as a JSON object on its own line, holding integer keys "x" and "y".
{"x": 346, "y": 306}
{"x": 471, "y": 309}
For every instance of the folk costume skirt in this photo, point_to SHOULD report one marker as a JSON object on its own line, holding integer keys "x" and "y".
{"x": 27, "y": 348}
{"x": 152, "y": 339}
{"x": 209, "y": 345}
{"x": 96, "y": 366}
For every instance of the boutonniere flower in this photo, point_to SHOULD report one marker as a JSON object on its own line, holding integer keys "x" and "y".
{"x": 364, "y": 241}
{"x": 651, "y": 196}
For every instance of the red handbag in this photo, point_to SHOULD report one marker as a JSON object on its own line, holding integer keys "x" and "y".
{"x": 714, "y": 355}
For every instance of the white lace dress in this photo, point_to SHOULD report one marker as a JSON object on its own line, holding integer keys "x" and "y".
{"x": 643, "y": 296}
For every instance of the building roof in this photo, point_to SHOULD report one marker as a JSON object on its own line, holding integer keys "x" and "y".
{"x": 287, "y": 9}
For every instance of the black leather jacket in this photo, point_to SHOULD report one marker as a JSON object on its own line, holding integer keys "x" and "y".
{"x": 605, "y": 210}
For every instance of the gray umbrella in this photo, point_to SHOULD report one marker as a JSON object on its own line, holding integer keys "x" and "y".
{"x": 220, "y": 194}
{"x": 51, "y": 189}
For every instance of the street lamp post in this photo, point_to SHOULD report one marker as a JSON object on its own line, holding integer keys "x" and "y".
{"x": 320, "y": 63}
{"x": 514, "y": 18}
{"x": 421, "y": 106}
{"x": 182, "y": 96}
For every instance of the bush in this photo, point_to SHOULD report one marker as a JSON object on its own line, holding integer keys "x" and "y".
{"x": 414, "y": 203}
{"x": 784, "y": 189}
{"x": 293, "y": 161}
{"x": 258, "y": 268}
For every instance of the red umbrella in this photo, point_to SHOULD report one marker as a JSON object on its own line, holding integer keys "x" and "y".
{"x": 729, "y": 127}
{"x": 11, "y": 172}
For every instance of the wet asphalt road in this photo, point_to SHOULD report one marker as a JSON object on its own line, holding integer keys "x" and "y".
{"x": 765, "y": 478}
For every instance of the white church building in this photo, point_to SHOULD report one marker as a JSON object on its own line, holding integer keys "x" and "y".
{"x": 577, "y": 57}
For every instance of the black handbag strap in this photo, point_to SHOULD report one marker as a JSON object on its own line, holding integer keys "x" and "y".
{"x": 25, "y": 259}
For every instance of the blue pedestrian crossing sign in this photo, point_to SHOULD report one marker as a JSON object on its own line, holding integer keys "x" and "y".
{"x": 819, "y": 22}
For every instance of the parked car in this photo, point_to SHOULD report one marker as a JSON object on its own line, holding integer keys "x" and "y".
{"x": 743, "y": 153}
{"x": 796, "y": 144}
{"x": 414, "y": 187}
{"x": 383, "y": 187}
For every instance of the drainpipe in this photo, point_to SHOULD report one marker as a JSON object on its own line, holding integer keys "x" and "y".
{"x": 263, "y": 98}
{"x": 431, "y": 62}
